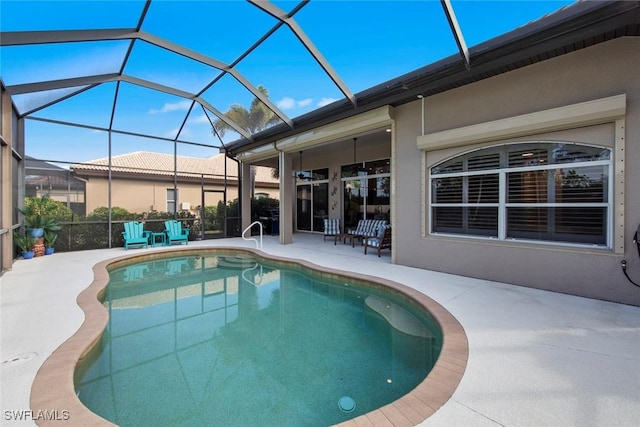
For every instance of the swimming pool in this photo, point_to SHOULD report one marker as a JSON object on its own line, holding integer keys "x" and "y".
{"x": 228, "y": 309}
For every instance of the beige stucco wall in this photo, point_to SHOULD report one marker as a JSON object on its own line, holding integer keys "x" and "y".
{"x": 597, "y": 72}
{"x": 143, "y": 195}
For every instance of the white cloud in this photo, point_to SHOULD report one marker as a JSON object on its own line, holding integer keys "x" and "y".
{"x": 175, "y": 106}
{"x": 326, "y": 101}
{"x": 286, "y": 103}
{"x": 171, "y": 133}
{"x": 202, "y": 118}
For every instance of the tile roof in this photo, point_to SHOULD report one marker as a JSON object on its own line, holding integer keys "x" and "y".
{"x": 145, "y": 162}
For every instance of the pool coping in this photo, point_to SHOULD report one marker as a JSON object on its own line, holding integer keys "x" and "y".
{"x": 411, "y": 409}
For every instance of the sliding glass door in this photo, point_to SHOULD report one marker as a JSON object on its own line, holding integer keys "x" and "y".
{"x": 366, "y": 192}
{"x": 312, "y": 199}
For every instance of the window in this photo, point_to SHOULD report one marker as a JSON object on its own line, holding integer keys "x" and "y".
{"x": 171, "y": 200}
{"x": 366, "y": 191}
{"x": 553, "y": 192}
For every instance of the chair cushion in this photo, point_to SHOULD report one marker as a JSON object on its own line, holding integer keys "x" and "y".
{"x": 331, "y": 227}
{"x": 368, "y": 227}
{"x": 373, "y": 241}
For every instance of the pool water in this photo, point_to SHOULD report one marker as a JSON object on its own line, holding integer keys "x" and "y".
{"x": 237, "y": 340}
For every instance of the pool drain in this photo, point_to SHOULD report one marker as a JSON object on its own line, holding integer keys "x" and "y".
{"x": 19, "y": 359}
{"x": 346, "y": 404}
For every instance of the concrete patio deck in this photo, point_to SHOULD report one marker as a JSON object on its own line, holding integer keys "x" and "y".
{"x": 536, "y": 358}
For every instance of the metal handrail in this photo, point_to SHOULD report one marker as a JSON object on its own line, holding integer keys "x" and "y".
{"x": 251, "y": 238}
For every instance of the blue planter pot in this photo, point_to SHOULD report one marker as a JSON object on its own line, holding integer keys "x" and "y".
{"x": 37, "y": 232}
{"x": 49, "y": 251}
{"x": 28, "y": 255}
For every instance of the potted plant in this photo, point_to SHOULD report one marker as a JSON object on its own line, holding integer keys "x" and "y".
{"x": 49, "y": 239}
{"x": 25, "y": 242}
{"x": 37, "y": 215}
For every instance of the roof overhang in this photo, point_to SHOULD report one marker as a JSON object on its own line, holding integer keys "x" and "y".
{"x": 322, "y": 135}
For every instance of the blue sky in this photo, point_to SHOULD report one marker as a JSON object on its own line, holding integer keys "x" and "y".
{"x": 366, "y": 43}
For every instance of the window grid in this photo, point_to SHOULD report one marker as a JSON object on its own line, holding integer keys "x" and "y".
{"x": 171, "y": 200}
{"x": 457, "y": 202}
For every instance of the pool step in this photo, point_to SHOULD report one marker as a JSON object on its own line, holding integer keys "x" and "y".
{"x": 398, "y": 317}
{"x": 236, "y": 262}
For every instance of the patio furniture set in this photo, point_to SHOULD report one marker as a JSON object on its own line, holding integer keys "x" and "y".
{"x": 134, "y": 234}
{"x": 371, "y": 233}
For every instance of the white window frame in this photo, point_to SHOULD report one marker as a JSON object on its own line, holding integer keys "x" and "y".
{"x": 503, "y": 205}
{"x": 175, "y": 202}
{"x": 598, "y": 111}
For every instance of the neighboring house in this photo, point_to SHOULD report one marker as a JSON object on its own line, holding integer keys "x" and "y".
{"x": 144, "y": 181}
{"x": 43, "y": 178}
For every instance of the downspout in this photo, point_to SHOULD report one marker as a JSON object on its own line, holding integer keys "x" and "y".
{"x": 421, "y": 98}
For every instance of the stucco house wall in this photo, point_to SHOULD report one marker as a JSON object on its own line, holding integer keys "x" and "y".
{"x": 597, "y": 72}
{"x": 143, "y": 195}
{"x": 140, "y": 180}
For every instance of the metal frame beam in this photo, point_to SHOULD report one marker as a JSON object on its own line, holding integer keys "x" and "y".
{"x": 288, "y": 19}
{"x": 457, "y": 32}
{"x": 21, "y": 38}
{"x": 62, "y": 83}
{"x": 120, "y": 132}
{"x": 46, "y": 37}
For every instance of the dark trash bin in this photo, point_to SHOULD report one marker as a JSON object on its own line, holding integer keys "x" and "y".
{"x": 274, "y": 220}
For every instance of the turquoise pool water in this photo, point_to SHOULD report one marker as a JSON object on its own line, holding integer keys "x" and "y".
{"x": 232, "y": 339}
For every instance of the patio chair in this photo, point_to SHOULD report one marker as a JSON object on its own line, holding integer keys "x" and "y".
{"x": 365, "y": 228}
{"x": 175, "y": 232}
{"x": 134, "y": 234}
{"x": 176, "y": 266}
{"x": 381, "y": 241}
{"x": 135, "y": 272}
{"x": 332, "y": 229}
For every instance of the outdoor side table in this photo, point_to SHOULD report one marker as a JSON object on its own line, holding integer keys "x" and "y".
{"x": 351, "y": 238}
{"x": 158, "y": 239}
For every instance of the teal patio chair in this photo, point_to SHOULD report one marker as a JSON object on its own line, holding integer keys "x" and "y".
{"x": 134, "y": 234}
{"x": 175, "y": 232}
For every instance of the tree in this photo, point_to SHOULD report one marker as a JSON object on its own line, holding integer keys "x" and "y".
{"x": 257, "y": 118}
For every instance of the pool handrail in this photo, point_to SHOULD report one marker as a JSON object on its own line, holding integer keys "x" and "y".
{"x": 259, "y": 245}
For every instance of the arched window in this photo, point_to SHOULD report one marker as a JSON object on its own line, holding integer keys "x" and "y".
{"x": 538, "y": 191}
